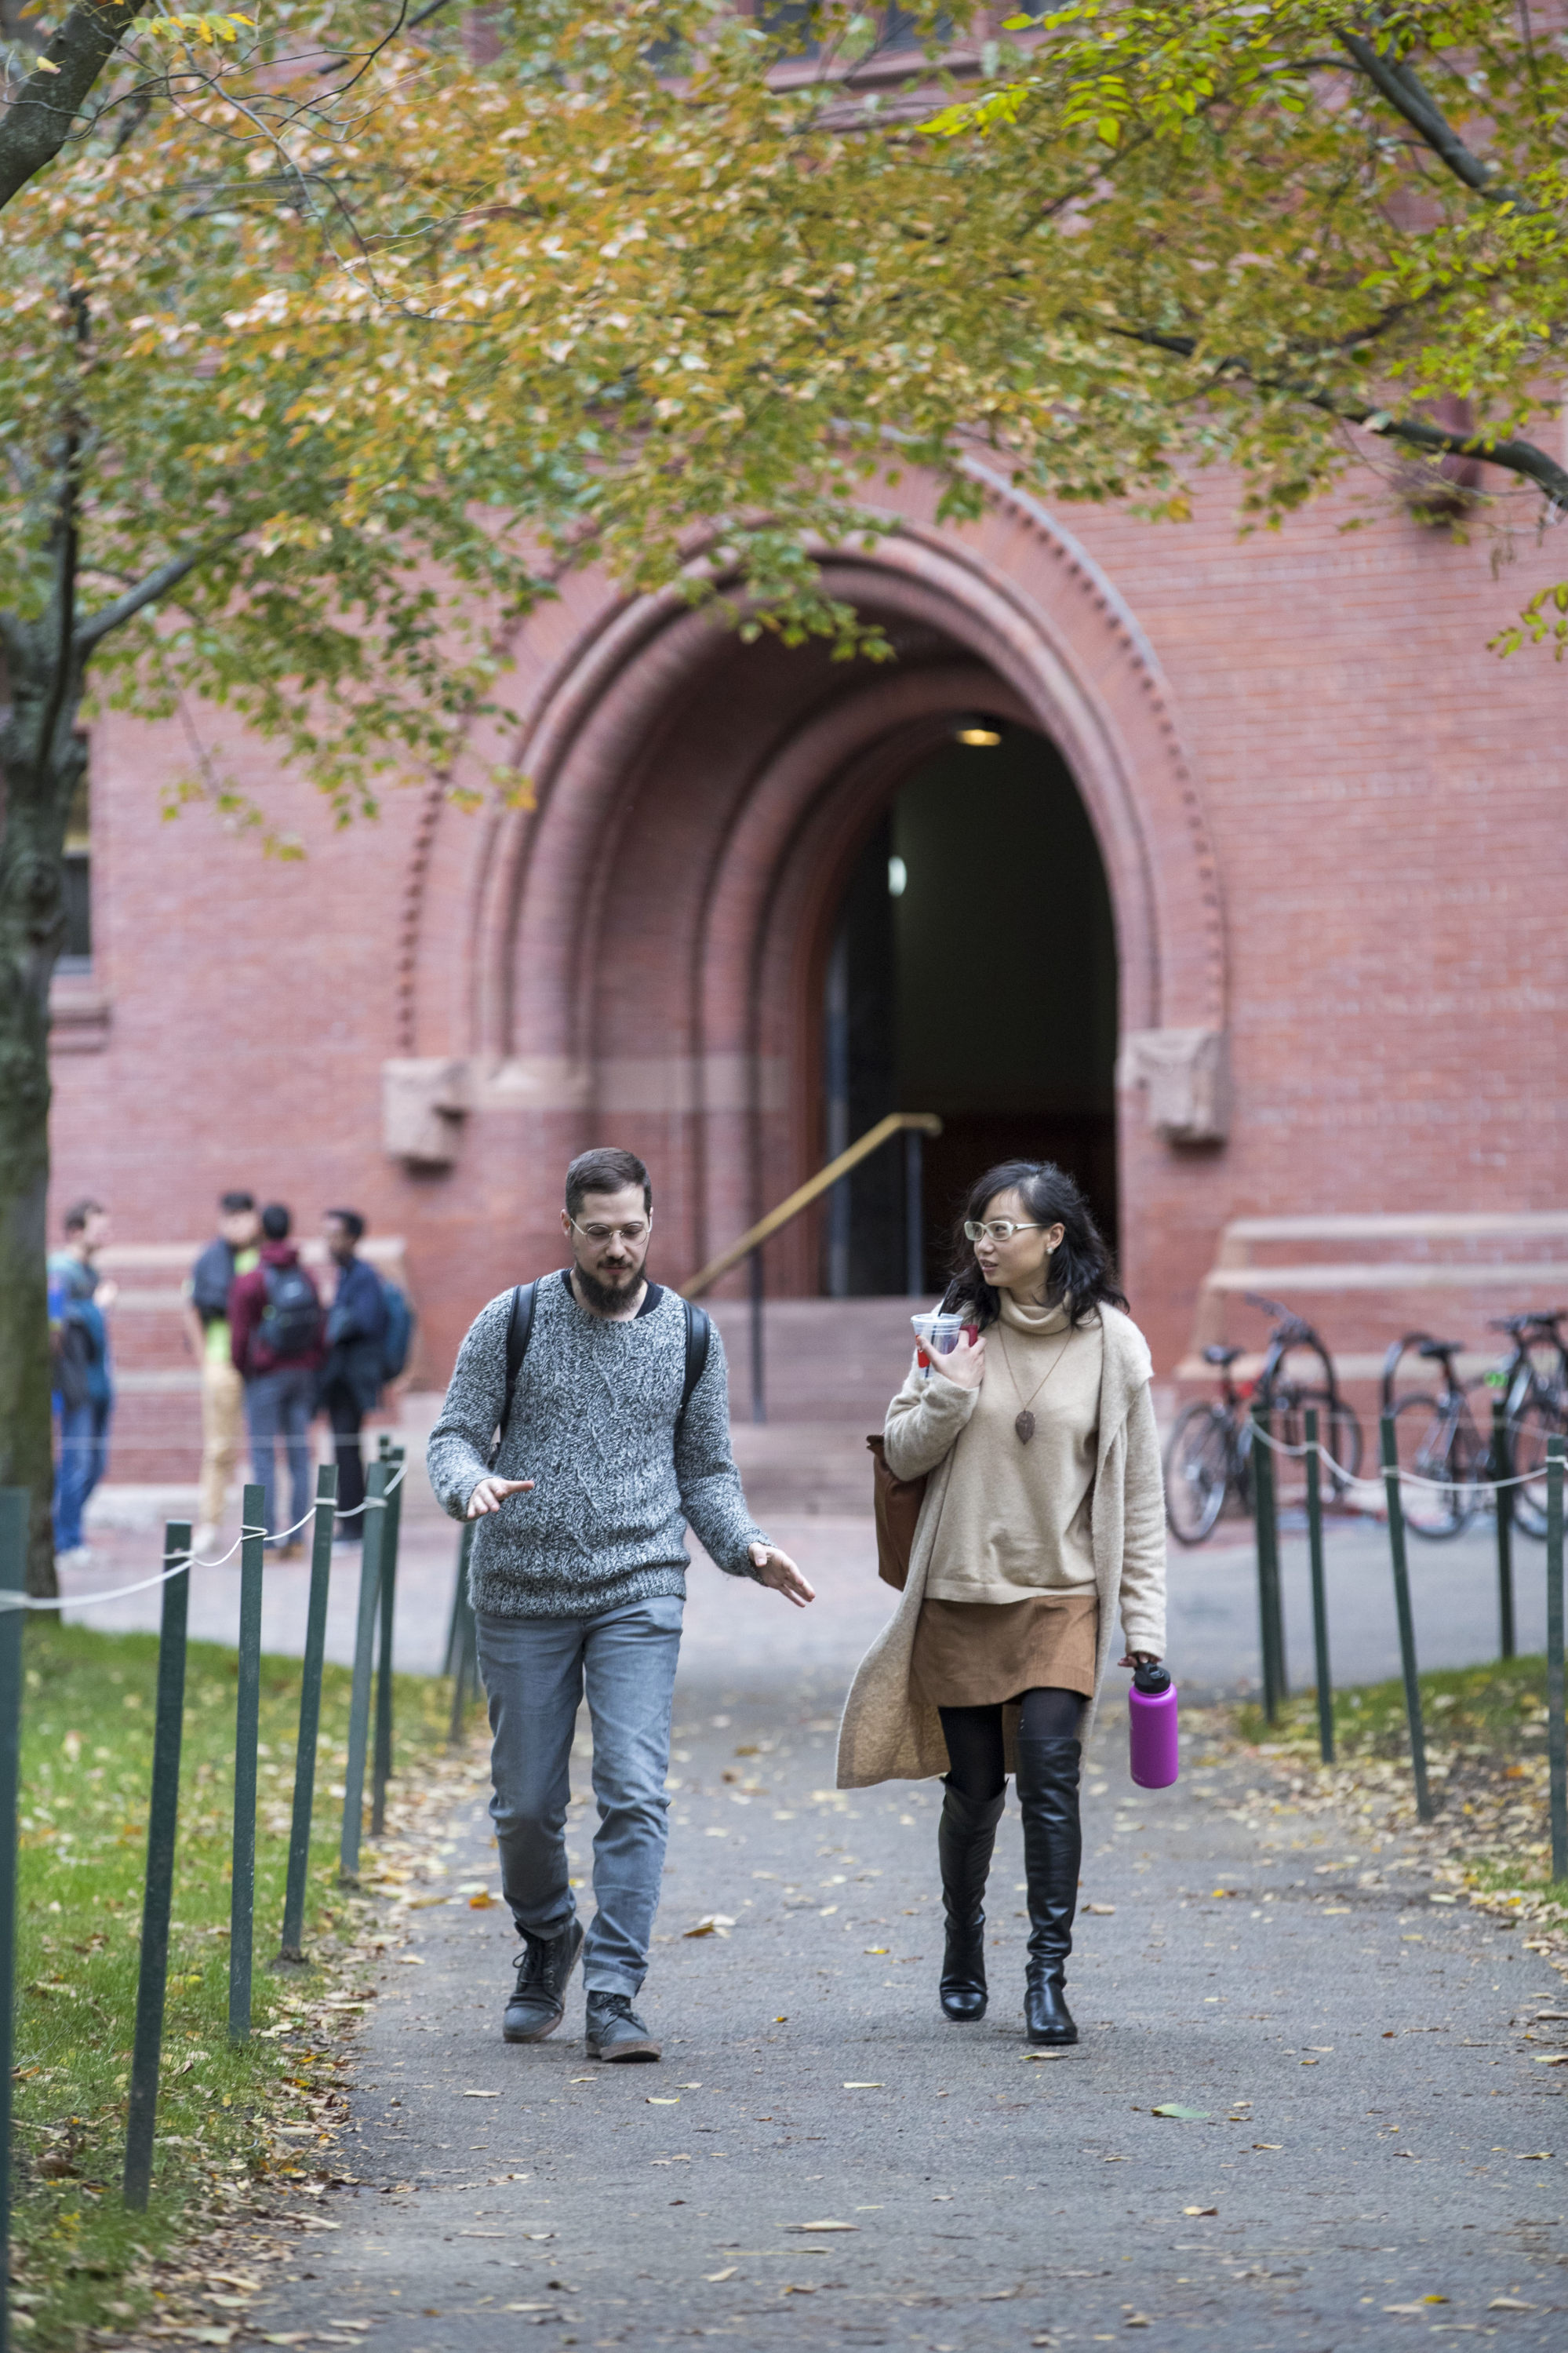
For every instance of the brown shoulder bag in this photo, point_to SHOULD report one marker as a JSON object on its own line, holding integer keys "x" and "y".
{"x": 897, "y": 1504}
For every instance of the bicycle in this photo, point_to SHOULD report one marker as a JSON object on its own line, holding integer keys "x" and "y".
{"x": 1209, "y": 1453}
{"x": 1436, "y": 1439}
{"x": 1537, "y": 1406}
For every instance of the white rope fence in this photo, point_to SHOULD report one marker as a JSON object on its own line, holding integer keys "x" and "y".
{"x": 1408, "y": 1478}
{"x": 176, "y": 1568}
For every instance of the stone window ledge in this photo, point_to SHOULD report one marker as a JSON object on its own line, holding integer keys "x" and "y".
{"x": 79, "y": 1016}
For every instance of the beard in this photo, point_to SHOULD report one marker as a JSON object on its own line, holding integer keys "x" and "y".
{"x": 605, "y": 1296}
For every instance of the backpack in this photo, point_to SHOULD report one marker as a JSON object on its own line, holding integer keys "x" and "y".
{"x": 520, "y": 1329}
{"x": 212, "y": 1277}
{"x": 290, "y": 1325}
{"x": 397, "y": 1334}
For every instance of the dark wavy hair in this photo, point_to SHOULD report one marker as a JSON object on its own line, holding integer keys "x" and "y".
{"x": 1082, "y": 1268}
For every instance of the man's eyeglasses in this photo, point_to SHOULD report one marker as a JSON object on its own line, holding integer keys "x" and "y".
{"x": 1001, "y": 1229}
{"x": 636, "y": 1233}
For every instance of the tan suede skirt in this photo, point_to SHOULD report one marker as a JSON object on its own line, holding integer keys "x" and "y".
{"x": 978, "y": 1653}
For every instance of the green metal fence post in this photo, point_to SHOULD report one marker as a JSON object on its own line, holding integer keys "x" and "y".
{"x": 1557, "y": 1727}
{"x": 462, "y": 1637}
{"x": 393, "y": 1457}
{"x": 1407, "y": 1623}
{"x": 1502, "y": 1468}
{"x": 1271, "y": 1632}
{"x": 364, "y": 1643}
{"x": 14, "y": 1509}
{"x": 246, "y": 1724}
{"x": 163, "y": 1817}
{"x": 1320, "y": 1599}
{"x": 291, "y": 1946}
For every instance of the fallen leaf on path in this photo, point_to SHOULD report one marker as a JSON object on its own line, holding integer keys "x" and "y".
{"x": 1186, "y": 2116}
{"x": 1552, "y": 2059}
{"x": 1531, "y": 2156}
{"x": 865, "y": 2087}
{"x": 411, "y": 1961}
{"x": 1200, "y": 2209}
{"x": 294, "y": 2336}
{"x": 1407, "y": 2307}
{"x": 878, "y": 1949}
{"x": 423, "y": 1903}
{"x": 729, "y": 2272}
{"x": 1030, "y": 2057}
{"x": 819, "y": 2226}
{"x": 1136, "y": 2320}
{"x": 1275, "y": 2145}
{"x": 654, "y": 2101}
{"x": 525, "y": 2307}
{"x": 481, "y": 2095}
{"x": 798, "y": 2287}
{"x": 715, "y": 1923}
{"x": 1104, "y": 1909}
{"x": 1509, "y": 2304}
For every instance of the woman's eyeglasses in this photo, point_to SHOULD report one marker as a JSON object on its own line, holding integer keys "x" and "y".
{"x": 1001, "y": 1229}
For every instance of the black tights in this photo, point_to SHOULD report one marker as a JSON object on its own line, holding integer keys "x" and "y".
{"x": 974, "y": 1736}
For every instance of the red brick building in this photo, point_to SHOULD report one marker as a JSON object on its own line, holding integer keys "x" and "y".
{"x": 1254, "y": 909}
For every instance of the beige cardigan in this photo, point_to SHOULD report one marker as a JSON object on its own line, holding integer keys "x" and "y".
{"x": 887, "y": 1733}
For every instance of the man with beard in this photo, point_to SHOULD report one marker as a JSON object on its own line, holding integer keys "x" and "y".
{"x": 610, "y": 1397}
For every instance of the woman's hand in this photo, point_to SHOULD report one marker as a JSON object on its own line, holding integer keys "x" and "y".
{"x": 491, "y": 1494}
{"x": 965, "y": 1365}
{"x": 1142, "y": 1659}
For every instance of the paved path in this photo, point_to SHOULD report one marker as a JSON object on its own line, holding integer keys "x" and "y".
{"x": 1373, "y": 2133}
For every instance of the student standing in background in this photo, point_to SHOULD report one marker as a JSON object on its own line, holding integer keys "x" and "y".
{"x": 234, "y": 1251}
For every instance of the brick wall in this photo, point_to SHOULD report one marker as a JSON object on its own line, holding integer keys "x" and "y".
{"x": 1329, "y": 815}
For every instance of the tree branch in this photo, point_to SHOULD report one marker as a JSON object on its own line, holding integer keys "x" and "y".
{"x": 1513, "y": 457}
{"x": 157, "y": 584}
{"x": 1409, "y": 95}
{"x": 38, "y": 121}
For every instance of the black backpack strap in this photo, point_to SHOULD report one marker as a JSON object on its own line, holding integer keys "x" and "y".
{"x": 519, "y": 1328}
{"x": 699, "y": 1333}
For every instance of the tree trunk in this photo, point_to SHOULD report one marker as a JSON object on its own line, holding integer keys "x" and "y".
{"x": 41, "y": 761}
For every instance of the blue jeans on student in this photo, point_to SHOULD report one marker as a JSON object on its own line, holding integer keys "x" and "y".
{"x": 536, "y": 1672}
{"x": 83, "y": 1452}
{"x": 281, "y": 1405}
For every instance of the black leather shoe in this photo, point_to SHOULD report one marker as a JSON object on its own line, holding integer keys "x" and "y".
{"x": 965, "y": 1835}
{"x": 539, "y": 1996}
{"x": 615, "y": 2031}
{"x": 1048, "y": 1773}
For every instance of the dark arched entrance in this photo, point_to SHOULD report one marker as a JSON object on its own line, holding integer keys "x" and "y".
{"x": 973, "y": 974}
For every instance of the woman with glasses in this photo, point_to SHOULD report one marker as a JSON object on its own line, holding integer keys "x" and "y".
{"x": 1043, "y": 1520}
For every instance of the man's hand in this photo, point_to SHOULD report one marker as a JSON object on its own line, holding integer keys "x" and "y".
{"x": 491, "y": 1494}
{"x": 964, "y": 1365}
{"x": 776, "y": 1568}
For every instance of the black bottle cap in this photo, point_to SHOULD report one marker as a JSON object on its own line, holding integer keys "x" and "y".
{"x": 1151, "y": 1678}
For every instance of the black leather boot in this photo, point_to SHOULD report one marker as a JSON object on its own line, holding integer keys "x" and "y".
{"x": 1053, "y": 1851}
{"x": 539, "y": 1998}
{"x": 964, "y": 1838}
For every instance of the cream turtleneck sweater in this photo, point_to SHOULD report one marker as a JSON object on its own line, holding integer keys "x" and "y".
{"x": 1016, "y": 1519}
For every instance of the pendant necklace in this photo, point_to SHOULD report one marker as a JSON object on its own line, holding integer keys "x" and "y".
{"x": 1025, "y": 1422}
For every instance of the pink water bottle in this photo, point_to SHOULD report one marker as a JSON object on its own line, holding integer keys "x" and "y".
{"x": 1151, "y": 1728}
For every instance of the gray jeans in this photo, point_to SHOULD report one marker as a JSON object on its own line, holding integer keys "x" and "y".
{"x": 281, "y": 1405}
{"x": 536, "y": 1672}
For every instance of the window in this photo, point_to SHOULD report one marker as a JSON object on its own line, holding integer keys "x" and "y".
{"x": 77, "y": 954}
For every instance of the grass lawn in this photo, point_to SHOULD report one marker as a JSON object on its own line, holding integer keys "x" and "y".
{"x": 86, "y": 1748}
{"x": 1487, "y": 1764}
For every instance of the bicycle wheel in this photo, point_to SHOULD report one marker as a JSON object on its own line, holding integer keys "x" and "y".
{"x": 1197, "y": 1470}
{"x": 1530, "y": 1424}
{"x": 1434, "y": 1447}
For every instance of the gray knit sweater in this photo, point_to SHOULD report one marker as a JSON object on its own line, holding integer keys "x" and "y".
{"x": 593, "y": 1423}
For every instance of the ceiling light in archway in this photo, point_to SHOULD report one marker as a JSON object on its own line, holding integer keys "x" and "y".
{"x": 898, "y": 878}
{"x": 970, "y": 727}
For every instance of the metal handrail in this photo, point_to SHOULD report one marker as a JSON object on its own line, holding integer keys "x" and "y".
{"x": 924, "y": 1123}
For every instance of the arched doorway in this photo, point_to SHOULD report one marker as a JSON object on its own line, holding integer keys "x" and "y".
{"x": 973, "y": 974}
